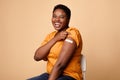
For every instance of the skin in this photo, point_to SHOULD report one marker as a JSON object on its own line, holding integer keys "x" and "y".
{"x": 60, "y": 23}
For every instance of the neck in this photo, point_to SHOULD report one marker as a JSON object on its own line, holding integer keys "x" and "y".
{"x": 64, "y": 29}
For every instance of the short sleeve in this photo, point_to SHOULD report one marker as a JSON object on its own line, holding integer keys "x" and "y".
{"x": 74, "y": 34}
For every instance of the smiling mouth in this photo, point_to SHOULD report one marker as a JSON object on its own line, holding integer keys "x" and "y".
{"x": 57, "y": 25}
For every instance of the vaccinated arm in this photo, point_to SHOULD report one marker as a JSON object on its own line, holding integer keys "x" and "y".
{"x": 66, "y": 54}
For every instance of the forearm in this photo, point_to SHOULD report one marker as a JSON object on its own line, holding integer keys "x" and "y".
{"x": 43, "y": 51}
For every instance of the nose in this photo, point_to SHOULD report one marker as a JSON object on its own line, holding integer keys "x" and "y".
{"x": 57, "y": 19}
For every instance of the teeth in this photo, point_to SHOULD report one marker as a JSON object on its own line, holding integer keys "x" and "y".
{"x": 57, "y": 23}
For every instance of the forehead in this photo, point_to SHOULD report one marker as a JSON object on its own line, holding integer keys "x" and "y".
{"x": 59, "y": 11}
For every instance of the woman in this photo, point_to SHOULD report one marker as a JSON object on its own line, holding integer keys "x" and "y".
{"x": 61, "y": 49}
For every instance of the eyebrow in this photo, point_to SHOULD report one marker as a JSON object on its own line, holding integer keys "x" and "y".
{"x": 60, "y": 15}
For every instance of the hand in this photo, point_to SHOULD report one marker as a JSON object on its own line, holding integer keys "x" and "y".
{"x": 61, "y": 35}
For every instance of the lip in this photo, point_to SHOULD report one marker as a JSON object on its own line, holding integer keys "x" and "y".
{"x": 57, "y": 24}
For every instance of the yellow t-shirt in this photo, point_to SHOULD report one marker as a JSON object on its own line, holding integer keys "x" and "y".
{"x": 74, "y": 68}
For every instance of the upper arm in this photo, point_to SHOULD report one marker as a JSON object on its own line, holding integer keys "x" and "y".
{"x": 67, "y": 52}
{"x": 68, "y": 49}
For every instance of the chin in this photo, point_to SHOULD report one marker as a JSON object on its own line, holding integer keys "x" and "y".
{"x": 58, "y": 29}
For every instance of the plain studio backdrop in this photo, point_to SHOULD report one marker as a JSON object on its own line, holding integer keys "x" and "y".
{"x": 25, "y": 23}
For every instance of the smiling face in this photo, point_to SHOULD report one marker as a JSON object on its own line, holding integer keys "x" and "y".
{"x": 60, "y": 20}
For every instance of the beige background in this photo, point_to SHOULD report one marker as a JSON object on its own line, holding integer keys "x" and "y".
{"x": 25, "y": 23}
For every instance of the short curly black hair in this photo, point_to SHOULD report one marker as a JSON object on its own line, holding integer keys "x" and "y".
{"x": 64, "y": 8}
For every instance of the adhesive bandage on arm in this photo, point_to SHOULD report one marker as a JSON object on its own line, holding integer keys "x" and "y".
{"x": 68, "y": 40}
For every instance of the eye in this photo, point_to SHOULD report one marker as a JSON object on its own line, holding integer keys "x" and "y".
{"x": 54, "y": 16}
{"x": 62, "y": 16}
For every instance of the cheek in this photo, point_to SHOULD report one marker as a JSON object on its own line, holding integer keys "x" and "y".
{"x": 64, "y": 22}
{"x": 52, "y": 20}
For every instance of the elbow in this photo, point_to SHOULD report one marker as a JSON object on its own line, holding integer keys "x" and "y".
{"x": 60, "y": 66}
{"x": 37, "y": 58}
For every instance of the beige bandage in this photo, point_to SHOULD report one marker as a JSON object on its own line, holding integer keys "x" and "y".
{"x": 68, "y": 40}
